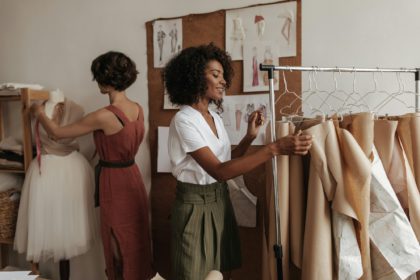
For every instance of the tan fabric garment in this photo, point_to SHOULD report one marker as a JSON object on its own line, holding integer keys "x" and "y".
{"x": 409, "y": 134}
{"x": 390, "y": 153}
{"x": 297, "y": 208}
{"x": 397, "y": 166}
{"x": 357, "y": 175}
{"x": 395, "y": 251}
{"x": 244, "y": 203}
{"x": 270, "y": 271}
{"x": 329, "y": 226}
{"x": 69, "y": 113}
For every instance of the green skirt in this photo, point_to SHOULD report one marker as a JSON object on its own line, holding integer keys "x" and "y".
{"x": 205, "y": 235}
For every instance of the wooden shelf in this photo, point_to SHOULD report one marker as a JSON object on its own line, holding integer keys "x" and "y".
{"x": 6, "y": 241}
{"x": 9, "y": 98}
{"x": 11, "y": 169}
{"x": 26, "y": 96}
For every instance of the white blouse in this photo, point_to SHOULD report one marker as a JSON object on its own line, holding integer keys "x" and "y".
{"x": 189, "y": 132}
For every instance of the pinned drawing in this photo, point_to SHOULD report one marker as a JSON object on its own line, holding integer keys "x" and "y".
{"x": 167, "y": 40}
{"x": 174, "y": 38}
{"x": 236, "y": 38}
{"x": 288, "y": 20}
{"x": 274, "y": 22}
{"x": 260, "y": 23}
{"x": 257, "y": 52}
{"x": 167, "y": 104}
{"x": 238, "y": 108}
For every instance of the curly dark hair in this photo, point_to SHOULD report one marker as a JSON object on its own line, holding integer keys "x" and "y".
{"x": 114, "y": 69}
{"x": 184, "y": 75}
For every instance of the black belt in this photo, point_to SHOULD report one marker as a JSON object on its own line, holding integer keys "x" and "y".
{"x": 107, "y": 164}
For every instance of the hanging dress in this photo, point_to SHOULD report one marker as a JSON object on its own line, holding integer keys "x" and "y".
{"x": 56, "y": 213}
{"x": 123, "y": 200}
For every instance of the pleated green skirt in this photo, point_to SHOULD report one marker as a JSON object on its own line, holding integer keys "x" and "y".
{"x": 205, "y": 235}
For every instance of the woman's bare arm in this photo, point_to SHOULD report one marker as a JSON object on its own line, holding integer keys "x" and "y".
{"x": 89, "y": 123}
{"x": 288, "y": 145}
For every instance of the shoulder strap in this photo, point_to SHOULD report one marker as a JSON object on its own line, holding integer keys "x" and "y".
{"x": 118, "y": 113}
{"x": 140, "y": 116}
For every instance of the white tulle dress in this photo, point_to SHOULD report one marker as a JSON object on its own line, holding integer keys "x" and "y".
{"x": 56, "y": 214}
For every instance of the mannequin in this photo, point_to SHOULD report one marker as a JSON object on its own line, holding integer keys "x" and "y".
{"x": 55, "y": 97}
{"x": 56, "y": 218}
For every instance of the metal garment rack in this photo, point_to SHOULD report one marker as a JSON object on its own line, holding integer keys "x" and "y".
{"x": 270, "y": 69}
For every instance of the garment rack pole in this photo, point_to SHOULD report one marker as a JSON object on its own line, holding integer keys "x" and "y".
{"x": 270, "y": 69}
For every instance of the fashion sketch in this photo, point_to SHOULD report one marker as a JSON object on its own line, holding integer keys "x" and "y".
{"x": 160, "y": 40}
{"x": 167, "y": 40}
{"x": 174, "y": 38}
{"x": 235, "y": 119}
{"x": 274, "y": 22}
{"x": 260, "y": 23}
{"x": 268, "y": 59}
{"x": 255, "y": 53}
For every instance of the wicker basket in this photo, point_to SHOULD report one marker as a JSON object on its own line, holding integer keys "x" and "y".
{"x": 8, "y": 214}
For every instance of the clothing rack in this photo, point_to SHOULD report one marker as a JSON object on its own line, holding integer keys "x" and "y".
{"x": 270, "y": 69}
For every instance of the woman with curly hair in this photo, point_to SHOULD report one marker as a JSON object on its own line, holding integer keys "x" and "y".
{"x": 118, "y": 130}
{"x": 204, "y": 231}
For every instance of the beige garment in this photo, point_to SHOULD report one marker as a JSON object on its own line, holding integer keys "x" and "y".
{"x": 395, "y": 251}
{"x": 270, "y": 269}
{"x": 244, "y": 203}
{"x": 392, "y": 158}
{"x": 409, "y": 133}
{"x": 297, "y": 207}
{"x": 330, "y": 248}
{"x": 298, "y": 179}
{"x": 64, "y": 113}
{"x": 357, "y": 176}
{"x": 397, "y": 166}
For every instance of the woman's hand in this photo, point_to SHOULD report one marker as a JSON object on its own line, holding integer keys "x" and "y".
{"x": 255, "y": 121}
{"x": 36, "y": 109}
{"x": 292, "y": 145}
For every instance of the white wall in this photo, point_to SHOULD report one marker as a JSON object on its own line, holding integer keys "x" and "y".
{"x": 357, "y": 33}
{"x": 53, "y": 43}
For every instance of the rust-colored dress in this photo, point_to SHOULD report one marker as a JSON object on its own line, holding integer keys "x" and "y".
{"x": 123, "y": 200}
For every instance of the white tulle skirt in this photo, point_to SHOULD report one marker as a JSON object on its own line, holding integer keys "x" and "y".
{"x": 56, "y": 214}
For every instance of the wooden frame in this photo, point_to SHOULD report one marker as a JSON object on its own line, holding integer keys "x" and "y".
{"x": 26, "y": 97}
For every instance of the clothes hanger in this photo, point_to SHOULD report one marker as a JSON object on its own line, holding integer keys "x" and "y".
{"x": 313, "y": 90}
{"x": 352, "y": 101}
{"x": 395, "y": 96}
{"x": 333, "y": 94}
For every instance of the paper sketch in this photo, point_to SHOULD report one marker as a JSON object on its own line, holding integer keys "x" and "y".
{"x": 257, "y": 52}
{"x": 260, "y": 23}
{"x": 163, "y": 162}
{"x": 167, "y": 40}
{"x": 167, "y": 104}
{"x": 236, "y": 111}
{"x": 276, "y": 22}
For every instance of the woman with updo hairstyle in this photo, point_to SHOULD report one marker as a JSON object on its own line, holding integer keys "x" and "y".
{"x": 204, "y": 230}
{"x": 118, "y": 130}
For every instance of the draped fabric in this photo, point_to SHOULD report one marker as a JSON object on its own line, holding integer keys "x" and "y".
{"x": 331, "y": 224}
{"x": 357, "y": 175}
{"x": 269, "y": 259}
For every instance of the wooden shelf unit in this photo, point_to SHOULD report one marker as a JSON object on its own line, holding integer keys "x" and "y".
{"x": 26, "y": 96}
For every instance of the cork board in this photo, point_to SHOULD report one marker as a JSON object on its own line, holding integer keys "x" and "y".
{"x": 202, "y": 29}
